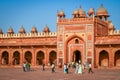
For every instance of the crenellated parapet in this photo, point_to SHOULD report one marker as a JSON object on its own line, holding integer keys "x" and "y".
{"x": 74, "y": 20}
{"x": 114, "y": 32}
{"x": 25, "y": 35}
{"x": 81, "y": 21}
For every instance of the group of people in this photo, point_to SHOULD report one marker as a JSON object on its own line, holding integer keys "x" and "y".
{"x": 26, "y": 66}
{"x": 52, "y": 67}
{"x": 79, "y": 68}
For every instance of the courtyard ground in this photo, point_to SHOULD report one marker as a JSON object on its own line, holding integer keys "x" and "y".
{"x": 38, "y": 74}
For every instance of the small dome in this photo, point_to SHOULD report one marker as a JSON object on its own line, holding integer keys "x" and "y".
{"x": 10, "y": 31}
{"x": 91, "y": 11}
{"x": 101, "y": 11}
{"x": 34, "y": 30}
{"x": 111, "y": 26}
{"x": 46, "y": 29}
{"x": 61, "y": 13}
{"x": 22, "y": 30}
{"x": 1, "y": 31}
{"x": 76, "y": 12}
{"x": 82, "y": 12}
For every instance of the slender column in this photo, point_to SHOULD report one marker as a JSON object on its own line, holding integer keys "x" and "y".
{"x": 46, "y": 57}
{"x": 21, "y": 56}
{"x": 102, "y": 17}
{"x": 97, "y": 58}
{"x": 10, "y": 57}
{"x": 33, "y": 57}
{"x": 111, "y": 57}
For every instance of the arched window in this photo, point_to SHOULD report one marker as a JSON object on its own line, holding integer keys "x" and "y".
{"x": 76, "y": 41}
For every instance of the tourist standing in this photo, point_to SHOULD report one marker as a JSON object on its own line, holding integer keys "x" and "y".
{"x": 80, "y": 69}
{"x": 43, "y": 67}
{"x": 28, "y": 66}
{"x": 24, "y": 66}
{"x": 65, "y": 68}
{"x": 76, "y": 67}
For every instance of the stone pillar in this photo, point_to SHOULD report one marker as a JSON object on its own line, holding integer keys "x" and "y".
{"x": 10, "y": 57}
{"x": 96, "y": 58}
{"x": 111, "y": 58}
{"x": 21, "y": 56}
{"x": 46, "y": 57}
{"x": 103, "y": 18}
{"x": 33, "y": 57}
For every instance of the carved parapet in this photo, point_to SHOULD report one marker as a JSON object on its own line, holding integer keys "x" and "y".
{"x": 74, "y": 20}
{"x": 115, "y": 32}
{"x": 19, "y": 35}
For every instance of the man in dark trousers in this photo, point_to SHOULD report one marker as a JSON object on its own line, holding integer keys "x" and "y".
{"x": 90, "y": 68}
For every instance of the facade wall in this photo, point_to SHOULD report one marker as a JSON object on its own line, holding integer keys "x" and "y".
{"x": 35, "y": 50}
{"x": 82, "y": 39}
{"x": 111, "y": 50}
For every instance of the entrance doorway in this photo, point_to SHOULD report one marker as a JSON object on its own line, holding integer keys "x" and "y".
{"x": 77, "y": 56}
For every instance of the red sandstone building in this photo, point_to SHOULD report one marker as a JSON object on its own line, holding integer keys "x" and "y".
{"x": 84, "y": 37}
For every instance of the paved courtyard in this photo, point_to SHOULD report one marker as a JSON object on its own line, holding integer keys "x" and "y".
{"x": 38, "y": 74}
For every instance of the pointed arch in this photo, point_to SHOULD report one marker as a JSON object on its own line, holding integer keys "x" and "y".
{"x": 40, "y": 57}
{"x": 52, "y": 57}
{"x": 16, "y": 58}
{"x": 74, "y": 39}
{"x": 5, "y": 58}
{"x": 28, "y": 56}
{"x": 103, "y": 58}
{"x": 73, "y": 36}
{"x": 117, "y": 58}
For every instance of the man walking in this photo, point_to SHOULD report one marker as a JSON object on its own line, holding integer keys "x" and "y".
{"x": 90, "y": 68}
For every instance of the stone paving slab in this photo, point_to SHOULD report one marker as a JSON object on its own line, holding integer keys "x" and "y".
{"x": 38, "y": 74}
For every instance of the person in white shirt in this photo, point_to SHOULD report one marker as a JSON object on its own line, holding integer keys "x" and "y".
{"x": 90, "y": 68}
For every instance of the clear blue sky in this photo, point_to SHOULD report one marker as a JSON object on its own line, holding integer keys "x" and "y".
{"x": 38, "y": 13}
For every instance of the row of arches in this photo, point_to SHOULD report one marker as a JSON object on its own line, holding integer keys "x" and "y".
{"x": 104, "y": 58}
{"x": 27, "y": 57}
